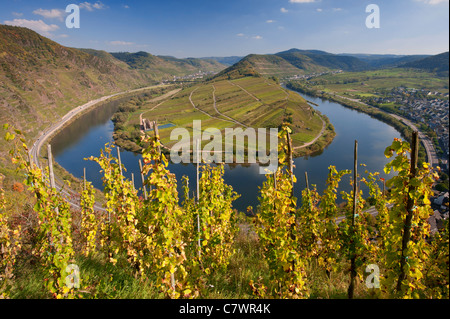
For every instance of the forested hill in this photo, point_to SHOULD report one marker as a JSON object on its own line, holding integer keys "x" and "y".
{"x": 41, "y": 80}
{"x": 324, "y": 59}
{"x": 436, "y": 63}
{"x": 167, "y": 65}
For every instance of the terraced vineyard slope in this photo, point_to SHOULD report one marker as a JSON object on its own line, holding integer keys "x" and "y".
{"x": 246, "y": 102}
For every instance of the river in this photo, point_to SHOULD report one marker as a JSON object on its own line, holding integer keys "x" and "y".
{"x": 88, "y": 134}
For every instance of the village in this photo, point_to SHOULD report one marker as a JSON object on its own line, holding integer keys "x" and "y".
{"x": 423, "y": 107}
{"x": 311, "y": 75}
{"x": 431, "y": 109}
{"x": 190, "y": 77}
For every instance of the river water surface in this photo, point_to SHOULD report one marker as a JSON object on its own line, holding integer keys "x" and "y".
{"x": 88, "y": 134}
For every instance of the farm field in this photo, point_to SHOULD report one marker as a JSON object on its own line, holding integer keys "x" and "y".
{"x": 368, "y": 83}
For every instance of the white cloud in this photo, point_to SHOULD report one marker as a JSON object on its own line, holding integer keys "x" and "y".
{"x": 37, "y": 25}
{"x": 91, "y": 6}
{"x": 337, "y": 9}
{"x": 240, "y": 34}
{"x": 270, "y": 21}
{"x": 284, "y": 10}
{"x": 98, "y": 5}
{"x": 319, "y": 10}
{"x": 17, "y": 14}
{"x": 433, "y": 2}
{"x": 302, "y": 1}
{"x": 51, "y": 14}
{"x": 120, "y": 43}
{"x": 86, "y": 5}
{"x": 257, "y": 37}
{"x": 126, "y": 6}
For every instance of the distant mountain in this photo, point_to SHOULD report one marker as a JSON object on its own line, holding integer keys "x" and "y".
{"x": 297, "y": 62}
{"x": 243, "y": 68}
{"x": 378, "y": 61}
{"x": 40, "y": 80}
{"x": 294, "y": 62}
{"x": 166, "y": 66}
{"x": 269, "y": 65}
{"x": 300, "y": 58}
{"x": 228, "y": 61}
{"x": 437, "y": 63}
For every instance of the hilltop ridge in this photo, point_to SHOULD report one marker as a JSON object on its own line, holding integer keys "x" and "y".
{"x": 438, "y": 63}
{"x": 41, "y": 79}
{"x": 166, "y": 66}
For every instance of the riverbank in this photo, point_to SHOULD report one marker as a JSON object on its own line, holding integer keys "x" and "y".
{"x": 75, "y": 114}
{"x": 37, "y": 151}
{"x": 394, "y": 121}
{"x": 87, "y": 137}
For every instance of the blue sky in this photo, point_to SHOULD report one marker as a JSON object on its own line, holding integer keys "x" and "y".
{"x": 198, "y": 28}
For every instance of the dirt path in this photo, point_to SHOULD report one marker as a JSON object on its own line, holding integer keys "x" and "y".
{"x": 253, "y": 96}
{"x": 206, "y": 113}
{"x": 316, "y": 138}
{"x": 215, "y": 108}
{"x": 159, "y": 98}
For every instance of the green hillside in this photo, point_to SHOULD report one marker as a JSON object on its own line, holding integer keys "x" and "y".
{"x": 42, "y": 80}
{"x": 383, "y": 61}
{"x": 228, "y": 60}
{"x": 232, "y": 99}
{"x": 269, "y": 65}
{"x": 294, "y": 62}
{"x": 165, "y": 66}
{"x": 245, "y": 67}
{"x": 304, "y": 58}
{"x": 437, "y": 63}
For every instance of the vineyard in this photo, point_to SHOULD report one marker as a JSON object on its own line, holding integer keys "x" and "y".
{"x": 158, "y": 246}
{"x": 249, "y": 102}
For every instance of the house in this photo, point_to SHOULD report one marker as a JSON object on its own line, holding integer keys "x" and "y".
{"x": 442, "y": 199}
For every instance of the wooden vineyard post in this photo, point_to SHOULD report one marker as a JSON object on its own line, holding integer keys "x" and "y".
{"x": 291, "y": 172}
{"x": 306, "y": 180}
{"x": 51, "y": 173}
{"x": 143, "y": 180}
{"x": 351, "y": 288}
{"x": 291, "y": 162}
{"x": 197, "y": 146}
{"x": 84, "y": 178}
{"x": 275, "y": 180}
{"x": 120, "y": 168}
{"x": 307, "y": 189}
{"x": 409, "y": 208}
{"x": 50, "y": 166}
{"x": 155, "y": 129}
{"x": 29, "y": 159}
{"x": 120, "y": 162}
